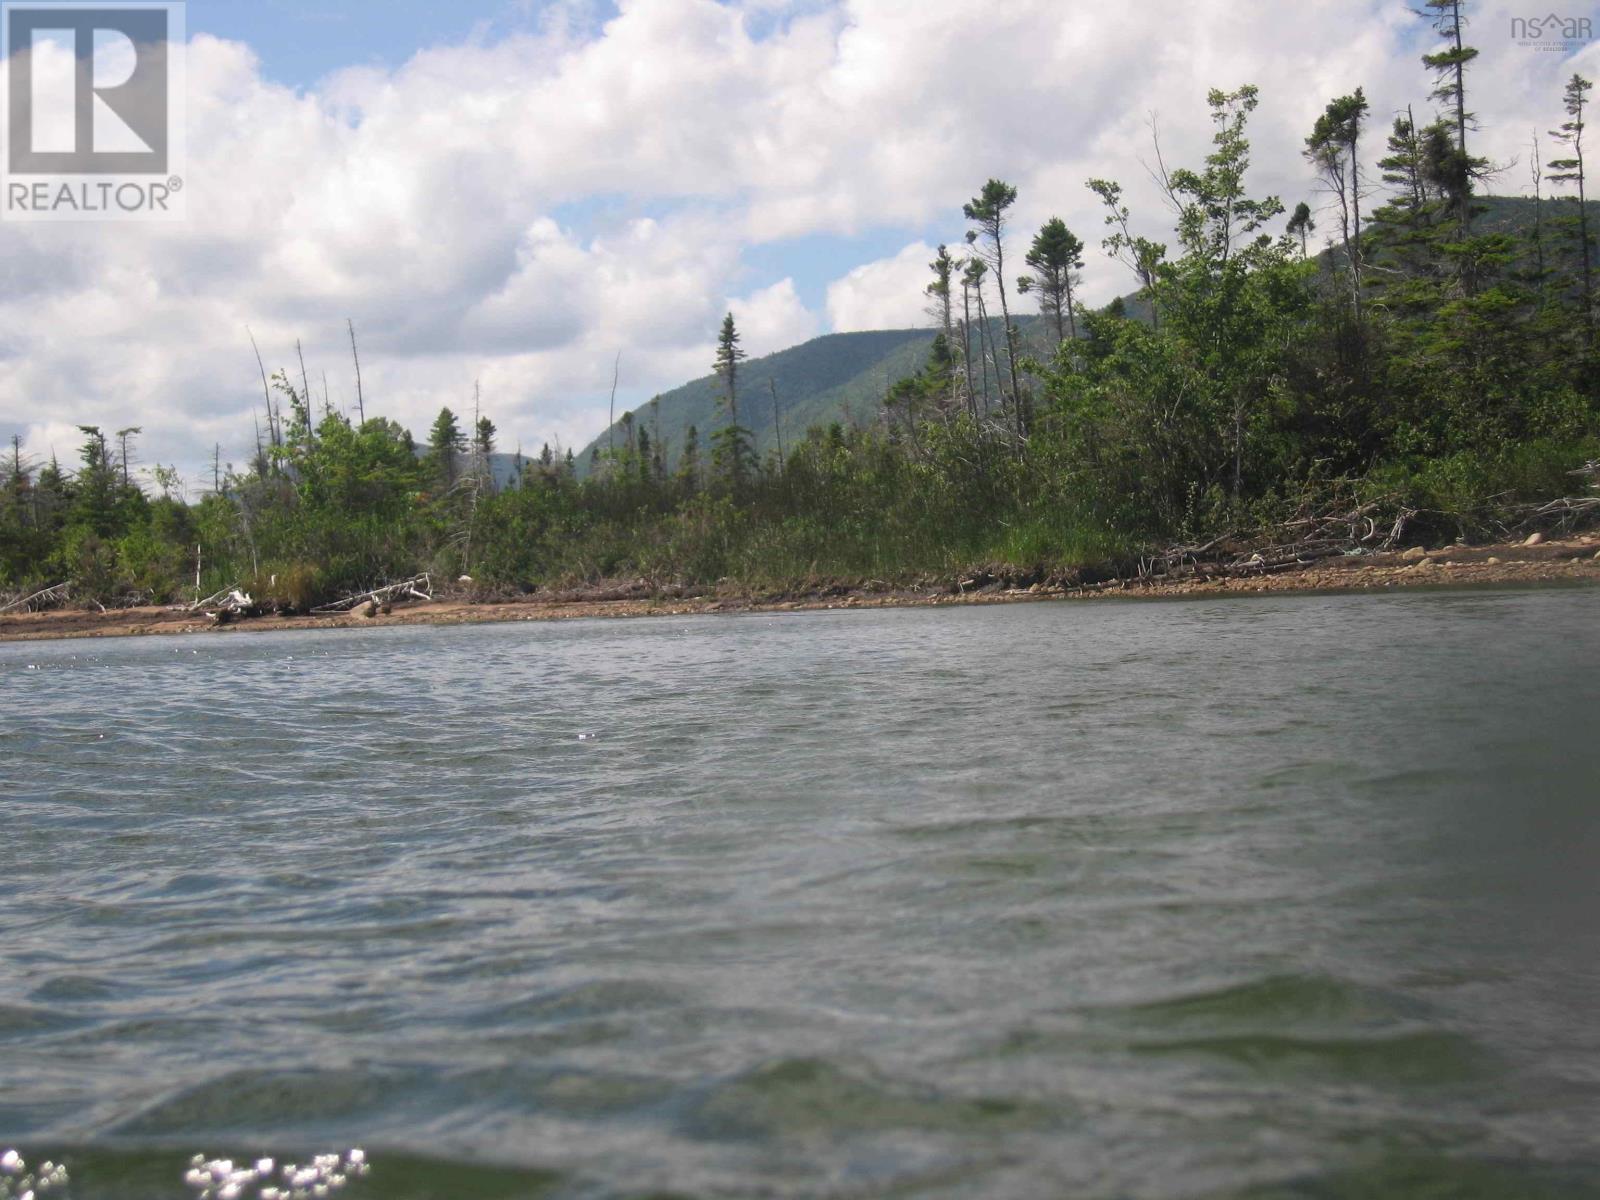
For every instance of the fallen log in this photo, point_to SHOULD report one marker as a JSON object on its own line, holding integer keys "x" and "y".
{"x": 1369, "y": 528}
{"x": 418, "y": 587}
{"x": 224, "y": 595}
{"x": 55, "y": 594}
{"x": 1561, "y": 513}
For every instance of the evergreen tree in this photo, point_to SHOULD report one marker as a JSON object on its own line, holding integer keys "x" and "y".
{"x": 95, "y": 490}
{"x": 642, "y": 460}
{"x": 732, "y": 453}
{"x": 446, "y": 443}
{"x": 689, "y": 462}
{"x": 1570, "y": 169}
{"x": 1056, "y": 257}
{"x": 1452, "y": 164}
{"x": 972, "y": 280}
{"x": 1301, "y": 226}
{"x": 987, "y": 211}
{"x": 1334, "y": 149}
{"x": 942, "y": 308}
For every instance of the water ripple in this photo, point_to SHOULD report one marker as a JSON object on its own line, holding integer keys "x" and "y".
{"x": 1279, "y": 897}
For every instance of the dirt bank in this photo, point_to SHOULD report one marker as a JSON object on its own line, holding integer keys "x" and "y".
{"x": 1575, "y": 560}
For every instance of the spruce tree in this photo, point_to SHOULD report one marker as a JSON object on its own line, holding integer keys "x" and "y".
{"x": 987, "y": 211}
{"x": 445, "y": 445}
{"x": 1334, "y": 149}
{"x": 1570, "y": 169}
{"x": 1449, "y": 66}
{"x": 1302, "y": 226}
{"x": 1056, "y": 257}
{"x": 731, "y": 454}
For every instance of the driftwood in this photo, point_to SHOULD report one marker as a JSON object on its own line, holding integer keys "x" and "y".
{"x": 222, "y": 608}
{"x": 1562, "y": 514}
{"x": 418, "y": 587}
{"x": 55, "y": 594}
{"x": 1369, "y": 528}
{"x": 229, "y": 597}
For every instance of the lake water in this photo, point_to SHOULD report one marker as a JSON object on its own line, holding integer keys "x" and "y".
{"x": 1279, "y": 896}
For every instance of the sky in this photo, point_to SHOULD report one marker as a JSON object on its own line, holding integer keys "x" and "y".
{"x": 509, "y": 193}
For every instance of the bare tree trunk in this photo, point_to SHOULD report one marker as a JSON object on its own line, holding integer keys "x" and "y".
{"x": 611, "y": 429}
{"x": 1355, "y": 205}
{"x": 361, "y": 400}
{"x": 966, "y": 348}
{"x": 777, "y": 421}
{"x": 1583, "y": 233}
{"x": 985, "y": 349}
{"x": 305, "y": 392}
{"x": 266, "y": 390}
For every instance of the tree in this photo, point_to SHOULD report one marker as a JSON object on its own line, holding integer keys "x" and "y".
{"x": 1449, "y": 67}
{"x": 966, "y": 334}
{"x": 689, "y": 461}
{"x": 16, "y": 486}
{"x": 1221, "y": 294}
{"x": 1334, "y": 149}
{"x": 483, "y": 438}
{"x": 972, "y": 284}
{"x": 446, "y": 442}
{"x": 987, "y": 211}
{"x": 1140, "y": 255}
{"x": 95, "y": 490}
{"x": 1570, "y": 169}
{"x": 1302, "y": 226}
{"x": 1056, "y": 257}
{"x": 729, "y": 356}
{"x": 124, "y": 443}
{"x": 642, "y": 460}
{"x": 1404, "y": 170}
{"x": 732, "y": 453}
{"x": 940, "y": 293}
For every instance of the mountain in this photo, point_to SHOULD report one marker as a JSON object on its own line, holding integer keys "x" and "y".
{"x": 837, "y": 377}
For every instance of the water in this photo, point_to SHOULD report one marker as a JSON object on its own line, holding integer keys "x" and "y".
{"x": 1282, "y": 896}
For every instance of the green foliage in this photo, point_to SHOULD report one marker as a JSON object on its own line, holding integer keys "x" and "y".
{"x": 1056, "y": 257}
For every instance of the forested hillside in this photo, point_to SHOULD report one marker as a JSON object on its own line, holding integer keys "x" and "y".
{"x": 838, "y": 377}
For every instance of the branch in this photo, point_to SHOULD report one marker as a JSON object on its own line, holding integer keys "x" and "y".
{"x": 54, "y": 594}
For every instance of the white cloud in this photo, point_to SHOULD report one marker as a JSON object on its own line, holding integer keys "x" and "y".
{"x": 887, "y": 294}
{"x": 518, "y": 210}
{"x": 773, "y": 319}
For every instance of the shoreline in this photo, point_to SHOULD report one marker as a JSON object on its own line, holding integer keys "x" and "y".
{"x": 1574, "y": 560}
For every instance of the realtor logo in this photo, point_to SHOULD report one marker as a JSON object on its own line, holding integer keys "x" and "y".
{"x": 94, "y": 98}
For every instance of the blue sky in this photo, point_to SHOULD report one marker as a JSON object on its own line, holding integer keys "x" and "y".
{"x": 300, "y": 41}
